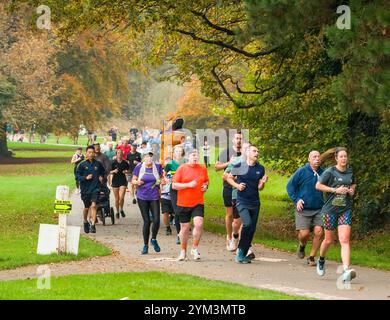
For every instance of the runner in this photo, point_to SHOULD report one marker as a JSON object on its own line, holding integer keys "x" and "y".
{"x": 206, "y": 154}
{"x": 166, "y": 203}
{"x": 250, "y": 178}
{"x": 90, "y": 173}
{"x": 301, "y": 189}
{"x": 110, "y": 153}
{"x": 76, "y": 159}
{"x": 222, "y": 163}
{"x": 125, "y": 147}
{"x": 147, "y": 176}
{"x": 233, "y": 244}
{"x": 134, "y": 158}
{"x": 103, "y": 159}
{"x": 339, "y": 184}
{"x": 170, "y": 170}
{"x": 191, "y": 180}
{"x": 119, "y": 169}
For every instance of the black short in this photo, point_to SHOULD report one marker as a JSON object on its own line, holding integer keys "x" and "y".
{"x": 88, "y": 198}
{"x": 185, "y": 213}
{"x": 227, "y": 196}
{"x": 236, "y": 215}
{"x": 119, "y": 181}
{"x": 166, "y": 206}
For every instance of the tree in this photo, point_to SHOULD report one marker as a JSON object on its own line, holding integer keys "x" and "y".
{"x": 284, "y": 67}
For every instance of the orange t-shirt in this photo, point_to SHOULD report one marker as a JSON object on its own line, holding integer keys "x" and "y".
{"x": 186, "y": 173}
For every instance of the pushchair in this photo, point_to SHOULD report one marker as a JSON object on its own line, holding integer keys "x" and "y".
{"x": 103, "y": 208}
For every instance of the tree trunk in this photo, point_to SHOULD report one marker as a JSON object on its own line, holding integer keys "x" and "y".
{"x": 3, "y": 141}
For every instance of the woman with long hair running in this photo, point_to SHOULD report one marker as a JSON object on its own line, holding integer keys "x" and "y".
{"x": 147, "y": 177}
{"x": 119, "y": 169}
{"x": 339, "y": 185}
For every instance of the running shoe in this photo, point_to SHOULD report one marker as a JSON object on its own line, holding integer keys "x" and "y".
{"x": 195, "y": 253}
{"x": 169, "y": 231}
{"x": 134, "y": 201}
{"x": 86, "y": 227}
{"x": 117, "y": 215}
{"x": 250, "y": 255}
{"x": 241, "y": 258}
{"x": 155, "y": 245}
{"x": 321, "y": 267}
{"x": 182, "y": 255}
{"x": 311, "y": 261}
{"x": 145, "y": 249}
{"x": 92, "y": 229}
{"x": 178, "y": 240}
{"x": 123, "y": 214}
{"x": 348, "y": 275}
{"x": 301, "y": 251}
{"x": 233, "y": 244}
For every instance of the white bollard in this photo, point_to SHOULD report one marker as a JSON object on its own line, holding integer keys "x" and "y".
{"x": 62, "y": 193}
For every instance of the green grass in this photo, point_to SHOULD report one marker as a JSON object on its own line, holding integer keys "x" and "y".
{"x": 45, "y": 154}
{"x": 276, "y": 226}
{"x": 34, "y": 146}
{"x": 27, "y": 196}
{"x": 135, "y": 286}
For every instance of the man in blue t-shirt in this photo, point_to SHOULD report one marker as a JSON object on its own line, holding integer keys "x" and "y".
{"x": 248, "y": 177}
{"x": 301, "y": 189}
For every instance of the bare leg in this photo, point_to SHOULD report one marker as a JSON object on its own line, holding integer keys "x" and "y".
{"x": 329, "y": 238}
{"x": 122, "y": 193}
{"x": 197, "y": 232}
{"x": 318, "y": 232}
{"x": 229, "y": 222}
{"x": 344, "y": 232}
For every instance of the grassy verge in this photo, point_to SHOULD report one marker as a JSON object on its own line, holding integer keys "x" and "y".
{"x": 27, "y": 196}
{"x": 36, "y": 146}
{"x": 136, "y": 286}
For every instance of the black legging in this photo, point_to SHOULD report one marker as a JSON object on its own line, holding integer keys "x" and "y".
{"x": 145, "y": 207}
{"x": 173, "y": 194}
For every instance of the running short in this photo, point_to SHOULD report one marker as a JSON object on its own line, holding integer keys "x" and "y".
{"x": 88, "y": 198}
{"x": 236, "y": 215}
{"x": 119, "y": 181}
{"x": 227, "y": 196}
{"x": 306, "y": 219}
{"x": 332, "y": 221}
{"x": 166, "y": 206}
{"x": 118, "y": 185}
{"x": 185, "y": 213}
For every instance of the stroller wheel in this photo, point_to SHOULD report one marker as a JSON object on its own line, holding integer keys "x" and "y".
{"x": 112, "y": 215}
{"x": 102, "y": 216}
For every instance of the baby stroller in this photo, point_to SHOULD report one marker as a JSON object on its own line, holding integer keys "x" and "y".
{"x": 103, "y": 208}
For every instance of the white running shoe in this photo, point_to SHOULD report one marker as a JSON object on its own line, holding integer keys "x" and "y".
{"x": 195, "y": 253}
{"x": 233, "y": 244}
{"x": 182, "y": 255}
{"x": 348, "y": 275}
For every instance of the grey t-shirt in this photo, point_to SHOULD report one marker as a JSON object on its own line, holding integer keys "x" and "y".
{"x": 337, "y": 203}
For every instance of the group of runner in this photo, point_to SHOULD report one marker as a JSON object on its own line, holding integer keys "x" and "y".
{"x": 323, "y": 198}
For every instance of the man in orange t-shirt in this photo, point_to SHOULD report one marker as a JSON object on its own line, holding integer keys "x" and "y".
{"x": 191, "y": 180}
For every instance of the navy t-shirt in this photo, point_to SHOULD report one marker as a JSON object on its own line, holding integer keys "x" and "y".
{"x": 250, "y": 175}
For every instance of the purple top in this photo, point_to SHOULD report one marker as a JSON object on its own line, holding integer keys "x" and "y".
{"x": 148, "y": 191}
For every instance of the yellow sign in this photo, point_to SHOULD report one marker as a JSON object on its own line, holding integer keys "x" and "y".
{"x": 63, "y": 207}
